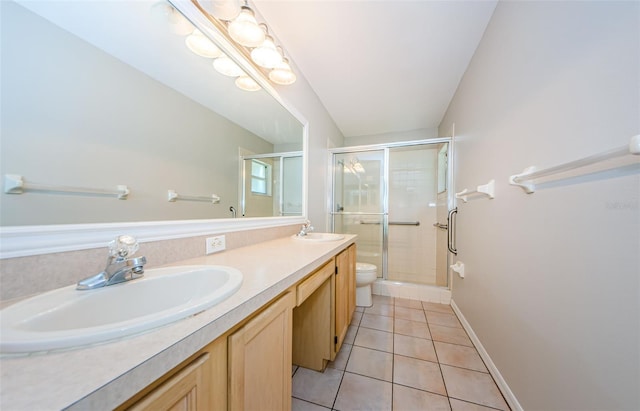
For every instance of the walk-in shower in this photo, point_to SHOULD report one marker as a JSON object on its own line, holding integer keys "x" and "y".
{"x": 396, "y": 197}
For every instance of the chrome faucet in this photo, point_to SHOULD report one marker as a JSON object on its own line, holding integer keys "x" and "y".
{"x": 306, "y": 228}
{"x": 121, "y": 266}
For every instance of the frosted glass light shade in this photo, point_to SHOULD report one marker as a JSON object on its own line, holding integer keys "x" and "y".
{"x": 221, "y": 9}
{"x": 266, "y": 55}
{"x": 245, "y": 30}
{"x": 282, "y": 74}
{"x": 247, "y": 83}
{"x": 202, "y": 46}
{"x": 224, "y": 65}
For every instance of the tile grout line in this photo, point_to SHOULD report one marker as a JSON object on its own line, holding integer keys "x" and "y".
{"x": 438, "y": 358}
{"x": 335, "y": 399}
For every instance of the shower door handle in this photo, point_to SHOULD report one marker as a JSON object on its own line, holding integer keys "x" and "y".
{"x": 416, "y": 223}
{"x": 451, "y": 231}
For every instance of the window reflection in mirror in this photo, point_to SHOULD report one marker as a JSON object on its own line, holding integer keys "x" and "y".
{"x": 272, "y": 184}
{"x": 98, "y": 94}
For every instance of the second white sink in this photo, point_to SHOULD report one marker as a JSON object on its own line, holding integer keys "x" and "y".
{"x": 67, "y": 317}
{"x": 320, "y": 237}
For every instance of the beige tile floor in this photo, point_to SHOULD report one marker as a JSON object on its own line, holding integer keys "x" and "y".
{"x": 401, "y": 355}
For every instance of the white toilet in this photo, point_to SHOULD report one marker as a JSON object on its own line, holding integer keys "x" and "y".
{"x": 366, "y": 274}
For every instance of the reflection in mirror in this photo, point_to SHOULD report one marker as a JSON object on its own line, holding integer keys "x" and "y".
{"x": 100, "y": 94}
{"x": 272, "y": 184}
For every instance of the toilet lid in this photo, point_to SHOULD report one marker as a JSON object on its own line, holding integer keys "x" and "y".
{"x": 365, "y": 267}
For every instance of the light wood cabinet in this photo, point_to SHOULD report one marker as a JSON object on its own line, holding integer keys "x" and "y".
{"x": 312, "y": 332}
{"x": 326, "y": 302}
{"x": 188, "y": 390}
{"x": 260, "y": 360}
{"x": 249, "y": 367}
{"x": 352, "y": 281}
{"x": 344, "y": 296}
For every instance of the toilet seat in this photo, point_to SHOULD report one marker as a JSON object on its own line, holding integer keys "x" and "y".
{"x": 365, "y": 267}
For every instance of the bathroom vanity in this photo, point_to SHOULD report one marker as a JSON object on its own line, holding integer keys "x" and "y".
{"x": 296, "y": 302}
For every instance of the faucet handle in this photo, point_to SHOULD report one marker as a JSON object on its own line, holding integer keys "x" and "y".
{"x": 123, "y": 246}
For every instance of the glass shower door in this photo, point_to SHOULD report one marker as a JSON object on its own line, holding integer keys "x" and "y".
{"x": 358, "y": 202}
{"x": 416, "y": 200}
{"x": 395, "y": 199}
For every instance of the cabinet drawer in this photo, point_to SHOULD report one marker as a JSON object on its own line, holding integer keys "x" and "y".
{"x": 308, "y": 286}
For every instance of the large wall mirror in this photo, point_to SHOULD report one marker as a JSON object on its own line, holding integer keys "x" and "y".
{"x": 102, "y": 94}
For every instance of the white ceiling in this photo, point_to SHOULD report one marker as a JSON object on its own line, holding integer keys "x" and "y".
{"x": 380, "y": 66}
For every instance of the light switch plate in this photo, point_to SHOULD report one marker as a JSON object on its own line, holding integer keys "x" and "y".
{"x": 215, "y": 244}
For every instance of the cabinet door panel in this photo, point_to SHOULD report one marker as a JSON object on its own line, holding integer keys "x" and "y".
{"x": 351, "y": 268}
{"x": 260, "y": 360}
{"x": 341, "y": 298}
{"x": 185, "y": 391}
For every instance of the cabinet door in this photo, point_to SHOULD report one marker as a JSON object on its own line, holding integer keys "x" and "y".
{"x": 351, "y": 273}
{"x": 312, "y": 333}
{"x": 260, "y": 360}
{"x": 341, "y": 299}
{"x": 185, "y": 391}
{"x": 345, "y": 294}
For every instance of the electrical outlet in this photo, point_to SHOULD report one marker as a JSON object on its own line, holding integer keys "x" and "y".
{"x": 215, "y": 244}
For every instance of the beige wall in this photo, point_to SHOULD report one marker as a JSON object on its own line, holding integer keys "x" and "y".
{"x": 552, "y": 278}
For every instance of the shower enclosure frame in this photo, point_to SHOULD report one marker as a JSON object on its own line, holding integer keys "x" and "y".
{"x": 385, "y": 148}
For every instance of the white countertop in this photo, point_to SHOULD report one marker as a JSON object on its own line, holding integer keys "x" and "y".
{"x": 104, "y": 376}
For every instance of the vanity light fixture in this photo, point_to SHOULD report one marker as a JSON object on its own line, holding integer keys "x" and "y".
{"x": 223, "y": 9}
{"x": 252, "y": 37}
{"x": 245, "y": 30}
{"x": 246, "y": 83}
{"x": 282, "y": 73}
{"x": 266, "y": 55}
{"x": 224, "y": 65}
{"x": 201, "y": 45}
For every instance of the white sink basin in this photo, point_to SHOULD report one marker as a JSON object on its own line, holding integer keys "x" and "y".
{"x": 319, "y": 237}
{"x": 66, "y": 317}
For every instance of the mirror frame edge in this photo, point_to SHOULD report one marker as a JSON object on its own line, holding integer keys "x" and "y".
{"x": 23, "y": 241}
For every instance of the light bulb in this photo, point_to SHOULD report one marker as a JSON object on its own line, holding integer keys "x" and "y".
{"x": 245, "y": 30}
{"x": 266, "y": 55}
{"x": 224, "y": 65}
{"x": 202, "y": 46}
{"x": 247, "y": 83}
{"x": 282, "y": 74}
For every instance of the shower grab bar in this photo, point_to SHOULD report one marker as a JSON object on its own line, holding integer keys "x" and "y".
{"x": 354, "y": 213}
{"x": 416, "y": 223}
{"x": 451, "y": 233}
{"x": 441, "y": 226}
{"x": 524, "y": 179}
{"x": 15, "y": 184}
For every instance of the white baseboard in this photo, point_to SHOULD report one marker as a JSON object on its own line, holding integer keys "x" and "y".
{"x": 493, "y": 370}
